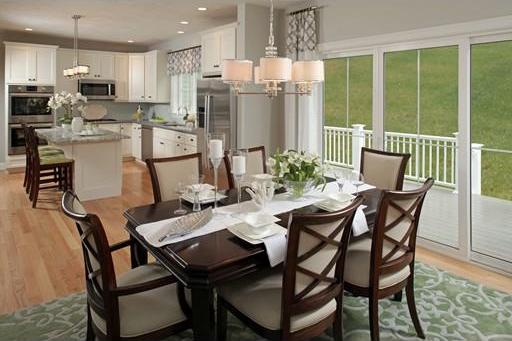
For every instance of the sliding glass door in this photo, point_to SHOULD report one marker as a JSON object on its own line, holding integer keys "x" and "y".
{"x": 491, "y": 128}
{"x": 421, "y": 119}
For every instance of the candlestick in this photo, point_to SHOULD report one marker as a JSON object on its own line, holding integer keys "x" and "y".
{"x": 238, "y": 165}
{"x": 216, "y": 149}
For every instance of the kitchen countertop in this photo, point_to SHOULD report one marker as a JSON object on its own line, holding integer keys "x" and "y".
{"x": 58, "y": 136}
{"x": 178, "y": 128}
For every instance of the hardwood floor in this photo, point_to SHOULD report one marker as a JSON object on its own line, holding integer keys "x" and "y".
{"x": 40, "y": 254}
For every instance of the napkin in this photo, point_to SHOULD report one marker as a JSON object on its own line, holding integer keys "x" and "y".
{"x": 359, "y": 225}
{"x": 276, "y": 248}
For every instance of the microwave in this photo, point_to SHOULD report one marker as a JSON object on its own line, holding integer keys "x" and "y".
{"x": 96, "y": 89}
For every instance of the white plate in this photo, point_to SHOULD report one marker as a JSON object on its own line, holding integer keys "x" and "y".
{"x": 259, "y": 219}
{"x": 331, "y": 205}
{"x": 341, "y": 197}
{"x": 263, "y": 177}
{"x": 205, "y": 197}
{"x": 244, "y": 232}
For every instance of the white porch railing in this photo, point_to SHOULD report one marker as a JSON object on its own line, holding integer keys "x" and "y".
{"x": 431, "y": 156}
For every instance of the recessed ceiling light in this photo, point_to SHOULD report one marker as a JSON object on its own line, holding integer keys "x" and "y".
{"x": 181, "y": 32}
{"x": 28, "y": 29}
{"x": 202, "y": 8}
{"x": 184, "y": 22}
{"x": 131, "y": 41}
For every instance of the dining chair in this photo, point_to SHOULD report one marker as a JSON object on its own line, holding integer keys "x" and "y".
{"x": 383, "y": 264}
{"x": 304, "y": 297}
{"x": 166, "y": 173}
{"x": 144, "y": 303}
{"x": 255, "y": 163}
{"x": 47, "y": 170}
{"x": 384, "y": 170}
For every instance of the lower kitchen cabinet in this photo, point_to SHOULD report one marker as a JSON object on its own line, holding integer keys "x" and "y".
{"x": 126, "y": 130}
{"x": 137, "y": 141}
{"x": 169, "y": 143}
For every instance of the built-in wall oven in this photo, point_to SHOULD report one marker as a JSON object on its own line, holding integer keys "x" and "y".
{"x": 27, "y": 104}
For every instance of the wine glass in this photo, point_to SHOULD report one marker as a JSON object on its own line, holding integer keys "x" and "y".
{"x": 196, "y": 185}
{"x": 180, "y": 189}
{"x": 340, "y": 179}
{"x": 357, "y": 180}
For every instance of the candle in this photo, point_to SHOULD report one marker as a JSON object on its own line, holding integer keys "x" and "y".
{"x": 238, "y": 165}
{"x": 216, "y": 150}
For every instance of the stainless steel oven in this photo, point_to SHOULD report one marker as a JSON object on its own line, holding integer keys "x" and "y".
{"x": 29, "y": 104}
{"x": 96, "y": 89}
{"x": 17, "y": 136}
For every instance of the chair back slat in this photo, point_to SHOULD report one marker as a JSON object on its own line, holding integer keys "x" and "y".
{"x": 384, "y": 170}
{"x": 166, "y": 173}
{"x": 313, "y": 270}
{"x": 99, "y": 267}
{"x": 394, "y": 236}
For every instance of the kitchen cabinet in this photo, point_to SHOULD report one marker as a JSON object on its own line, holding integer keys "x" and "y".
{"x": 126, "y": 129}
{"x": 101, "y": 64}
{"x": 148, "y": 79}
{"x": 121, "y": 77}
{"x": 170, "y": 143}
{"x": 216, "y": 46}
{"x": 137, "y": 141}
{"x": 30, "y": 64}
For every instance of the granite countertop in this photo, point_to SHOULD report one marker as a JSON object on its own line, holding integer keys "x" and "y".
{"x": 58, "y": 136}
{"x": 179, "y": 128}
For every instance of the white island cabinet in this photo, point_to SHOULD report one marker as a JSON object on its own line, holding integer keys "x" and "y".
{"x": 98, "y": 169}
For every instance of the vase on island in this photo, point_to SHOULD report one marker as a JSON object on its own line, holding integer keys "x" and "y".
{"x": 77, "y": 124}
{"x": 298, "y": 172}
{"x": 66, "y": 127}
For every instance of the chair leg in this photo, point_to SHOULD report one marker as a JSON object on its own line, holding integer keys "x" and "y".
{"x": 398, "y": 296}
{"x": 71, "y": 175}
{"x": 35, "y": 190}
{"x": 25, "y": 179}
{"x": 373, "y": 305}
{"x": 90, "y": 331}
{"x": 409, "y": 291}
{"x": 222, "y": 320}
{"x": 338, "y": 319}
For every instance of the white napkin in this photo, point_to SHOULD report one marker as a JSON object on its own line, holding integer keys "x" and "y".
{"x": 276, "y": 246}
{"x": 359, "y": 224}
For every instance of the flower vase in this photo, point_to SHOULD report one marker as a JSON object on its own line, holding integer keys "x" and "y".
{"x": 66, "y": 127}
{"x": 77, "y": 124}
{"x": 297, "y": 189}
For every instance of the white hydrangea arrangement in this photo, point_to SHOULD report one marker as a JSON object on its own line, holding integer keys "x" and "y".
{"x": 295, "y": 168}
{"x": 68, "y": 102}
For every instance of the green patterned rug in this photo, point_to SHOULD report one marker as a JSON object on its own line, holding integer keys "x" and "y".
{"x": 450, "y": 308}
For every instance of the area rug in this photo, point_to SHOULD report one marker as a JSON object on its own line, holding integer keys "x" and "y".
{"x": 450, "y": 308}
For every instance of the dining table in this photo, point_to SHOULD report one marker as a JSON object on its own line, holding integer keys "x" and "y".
{"x": 202, "y": 263}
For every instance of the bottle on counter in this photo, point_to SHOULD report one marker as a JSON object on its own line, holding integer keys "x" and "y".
{"x": 138, "y": 115}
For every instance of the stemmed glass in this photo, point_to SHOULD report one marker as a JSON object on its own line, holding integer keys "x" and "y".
{"x": 216, "y": 143}
{"x": 196, "y": 186}
{"x": 340, "y": 176}
{"x": 238, "y": 164}
{"x": 357, "y": 180}
{"x": 180, "y": 190}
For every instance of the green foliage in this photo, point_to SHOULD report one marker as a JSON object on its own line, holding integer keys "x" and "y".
{"x": 291, "y": 165}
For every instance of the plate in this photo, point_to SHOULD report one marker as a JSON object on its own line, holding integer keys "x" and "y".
{"x": 205, "y": 197}
{"x": 243, "y": 231}
{"x": 94, "y": 111}
{"x": 259, "y": 219}
{"x": 341, "y": 197}
{"x": 92, "y": 133}
{"x": 331, "y": 205}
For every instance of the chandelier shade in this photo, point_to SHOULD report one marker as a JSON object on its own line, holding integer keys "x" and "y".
{"x": 76, "y": 71}
{"x": 234, "y": 70}
{"x": 308, "y": 71}
{"x": 275, "y": 69}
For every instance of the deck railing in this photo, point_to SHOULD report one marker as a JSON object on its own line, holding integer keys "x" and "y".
{"x": 431, "y": 156}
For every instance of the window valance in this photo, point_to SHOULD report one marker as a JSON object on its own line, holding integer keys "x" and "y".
{"x": 184, "y": 61}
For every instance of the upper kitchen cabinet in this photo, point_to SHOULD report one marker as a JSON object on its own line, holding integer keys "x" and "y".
{"x": 148, "y": 79}
{"x": 216, "y": 46}
{"x": 30, "y": 64}
{"x": 122, "y": 70}
{"x": 101, "y": 64}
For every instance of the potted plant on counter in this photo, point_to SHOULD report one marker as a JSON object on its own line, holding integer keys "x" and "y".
{"x": 298, "y": 172}
{"x": 69, "y": 103}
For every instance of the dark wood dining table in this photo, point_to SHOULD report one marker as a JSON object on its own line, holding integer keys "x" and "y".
{"x": 204, "y": 262}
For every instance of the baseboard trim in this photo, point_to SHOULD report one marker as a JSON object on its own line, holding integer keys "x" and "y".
{"x": 3, "y": 165}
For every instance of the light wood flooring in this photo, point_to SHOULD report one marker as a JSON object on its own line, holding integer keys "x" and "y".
{"x": 40, "y": 253}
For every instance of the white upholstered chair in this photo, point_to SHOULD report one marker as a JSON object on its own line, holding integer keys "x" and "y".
{"x": 255, "y": 163}
{"x": 144, "y": 303}
{"x": 383, "y": 264}
{"x": 384, "y": 170}
{"x": 167, "y": 172}
{"x": 304, "y": 298}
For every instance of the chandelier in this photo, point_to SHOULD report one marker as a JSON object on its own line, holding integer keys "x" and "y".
{"x": 76, "y": 71}
{"x": 272, "y": 71}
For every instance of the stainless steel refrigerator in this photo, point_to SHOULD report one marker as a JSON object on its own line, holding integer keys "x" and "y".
{"x": 217, "y": 114}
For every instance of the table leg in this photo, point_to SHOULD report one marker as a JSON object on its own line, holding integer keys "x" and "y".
{"x": 138, "y": 254}
{"x": 203, "y": 314}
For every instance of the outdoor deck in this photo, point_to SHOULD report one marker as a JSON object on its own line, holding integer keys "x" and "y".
{"x": 491, "y": 222}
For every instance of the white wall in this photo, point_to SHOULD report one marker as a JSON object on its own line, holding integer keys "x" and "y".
{"x": 3, "y": 114}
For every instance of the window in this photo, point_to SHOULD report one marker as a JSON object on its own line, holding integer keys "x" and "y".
{"x": 183, "y": 92}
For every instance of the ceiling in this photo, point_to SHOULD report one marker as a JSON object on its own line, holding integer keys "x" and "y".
{"x": 146, "y": 22}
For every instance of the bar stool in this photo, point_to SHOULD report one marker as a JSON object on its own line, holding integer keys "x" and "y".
{"x": 51, "y": 168}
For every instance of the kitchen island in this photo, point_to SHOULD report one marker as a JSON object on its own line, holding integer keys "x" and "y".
{"x": 98, "y": 160}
